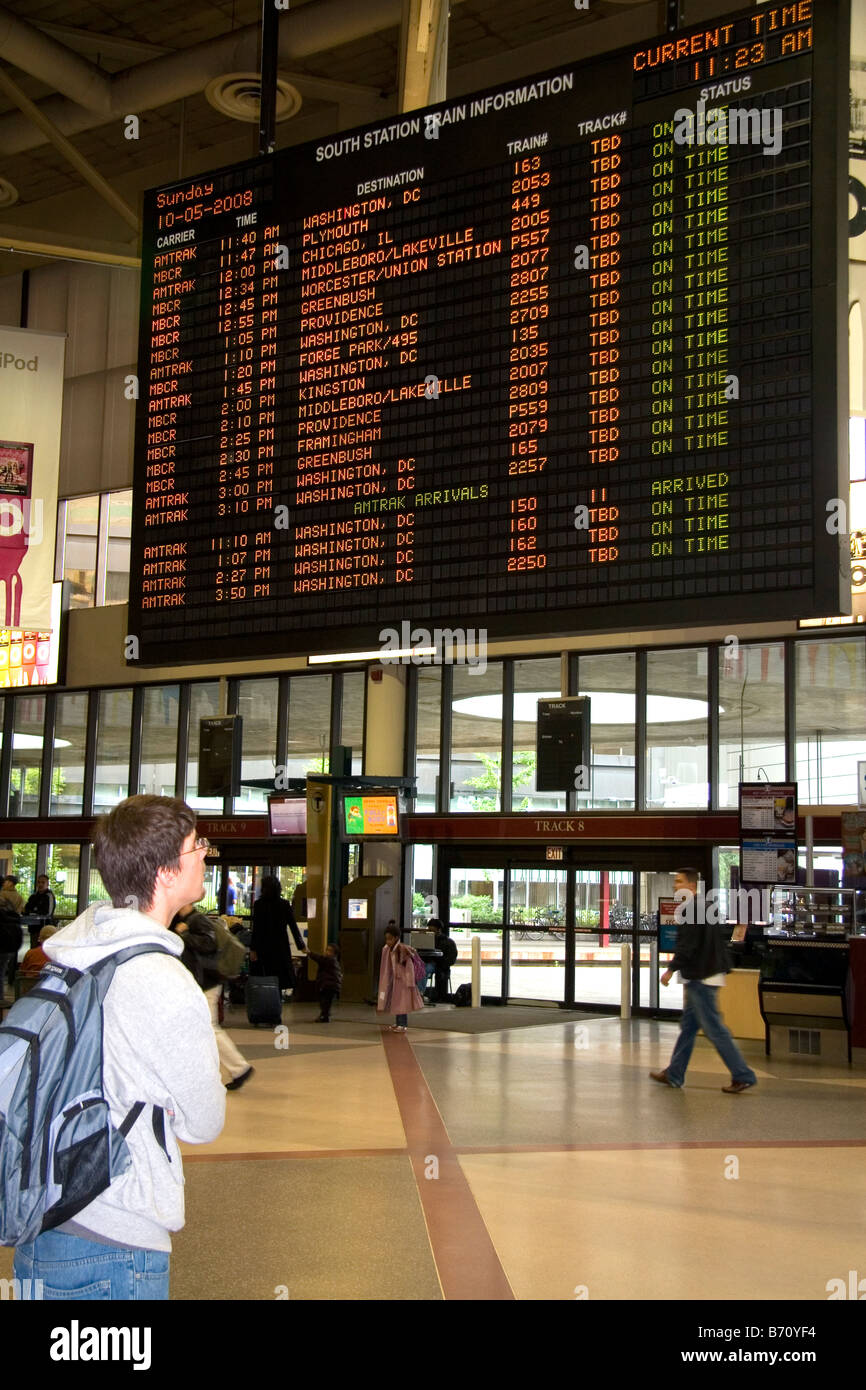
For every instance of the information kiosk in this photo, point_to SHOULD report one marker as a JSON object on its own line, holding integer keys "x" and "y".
{"x": 368, "y": 906}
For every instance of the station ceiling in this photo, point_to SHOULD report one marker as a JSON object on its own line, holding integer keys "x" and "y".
{"x": 80, "y": 64}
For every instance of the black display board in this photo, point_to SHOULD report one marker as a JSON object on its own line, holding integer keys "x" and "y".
{"x": 528, "y": 361}
{"x": 219, "y": 755}
{"x": 562, "y": 745}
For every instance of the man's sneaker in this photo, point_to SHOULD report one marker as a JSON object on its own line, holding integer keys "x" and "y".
{"x": 737, "y": 1086}
{"x": 662, "y": 1077}
{"x": 239, "y": 1080}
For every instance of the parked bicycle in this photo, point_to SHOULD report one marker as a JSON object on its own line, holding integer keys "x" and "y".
{"x": 621, "y": 921}
{"x": 545, "y": 920}
{"x": 551, "y": 920}
{"x": 528, "y": 933}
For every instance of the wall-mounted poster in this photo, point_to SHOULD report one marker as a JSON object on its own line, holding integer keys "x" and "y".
{"x": 854, "y": 848}
{"x": 31, "y": 403}
{"x": 16, "y": 477}
{"x": 667, "y": 924}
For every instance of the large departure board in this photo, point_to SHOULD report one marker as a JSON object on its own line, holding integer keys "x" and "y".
{"x": 562, "y": 356}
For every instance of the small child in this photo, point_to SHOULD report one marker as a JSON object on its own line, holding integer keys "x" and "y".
{"x": 330, "y": 978}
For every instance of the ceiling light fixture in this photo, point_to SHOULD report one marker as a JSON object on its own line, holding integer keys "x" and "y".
{"x": 238, "y": 94}
{"x": 381, "y": 655}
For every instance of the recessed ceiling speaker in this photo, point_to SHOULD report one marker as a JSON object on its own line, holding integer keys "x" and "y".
{"x": 237, "y": 94}
{"x": 8, "y": 194}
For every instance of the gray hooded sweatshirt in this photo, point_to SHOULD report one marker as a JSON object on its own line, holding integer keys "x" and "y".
{"x": 158, "y": 1047}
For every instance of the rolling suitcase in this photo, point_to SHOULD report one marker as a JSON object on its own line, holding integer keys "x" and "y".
{"x": 264, "y": 1000}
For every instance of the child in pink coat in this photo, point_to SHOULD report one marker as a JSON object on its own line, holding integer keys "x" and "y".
{"x": 398, "y": 993}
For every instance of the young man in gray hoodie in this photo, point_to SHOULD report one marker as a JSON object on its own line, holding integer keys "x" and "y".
{"x": 158, "y": 1047}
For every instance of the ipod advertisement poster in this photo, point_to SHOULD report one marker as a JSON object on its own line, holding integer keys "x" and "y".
{"x": 31, "y": 403}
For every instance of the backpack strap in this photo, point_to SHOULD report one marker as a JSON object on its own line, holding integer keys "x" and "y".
{"x": 103, "y": 972}
{"x": 104, "y": 969}
{"x": 131, "y": 1118}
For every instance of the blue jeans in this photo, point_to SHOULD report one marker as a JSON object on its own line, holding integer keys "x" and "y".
{"x": 701, "y": 1010}
{"x": 72, "y": 1267}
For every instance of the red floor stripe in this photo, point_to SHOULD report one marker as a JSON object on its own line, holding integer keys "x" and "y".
{"x": 624, "y": 1146}
{"x": 665, "y": 1144}
{"x": 290, "y": 1153}
{"x": 466, "y": 1260}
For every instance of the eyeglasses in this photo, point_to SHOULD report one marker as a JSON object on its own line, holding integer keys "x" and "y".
{"x": 201, "y": 843}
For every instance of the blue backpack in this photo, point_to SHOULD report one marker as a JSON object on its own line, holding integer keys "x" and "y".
{"x": 58, "y": 1145}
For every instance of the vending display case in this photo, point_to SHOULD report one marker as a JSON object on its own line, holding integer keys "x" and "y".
{"x": 814, "y": 911}
{"x": 804, "y": 990}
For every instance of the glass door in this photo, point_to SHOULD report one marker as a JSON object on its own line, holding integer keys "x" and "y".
{"x": 554, "y": 935}
{"x": 604, "y": 919}
{"x": 538, "y": 918}
{"x": 242, "y": 884}
{"x": 475, "y": 910}
{"x": 653, "y": 962}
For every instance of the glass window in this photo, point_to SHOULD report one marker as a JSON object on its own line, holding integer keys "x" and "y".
{"x": 290, "y": 876}
{"x": 677, "y": 711}
{"x": 27, "y": 756}
{"x": 352, "y": 726}
{"x": 424, "y": 902}
{"x": 204, "y": 703}
{"x": 830, "y": 700}
{"x": 159, "y": 740}
{"x": 476, "y": 738}
{"x": 258, "y": 703}
{"x": 62, "y": 869}
{"x": 117, "y": 527}
{"x": 309, "y": 725}
{"x": 96, "y": 889}
{"x": 751, "y": 716}
{"x": 113, "y": 730}
{"x": 857, "y": 448}
{"x": 70, "y": 736}
{"x": 24, "y": 867}
{"x": 533, "y": 681}
{"x": 427, "y": 752}
{"x": 609, "y": 681}
{"x": 77, "y": 537}
{"x": 209, "y": 900}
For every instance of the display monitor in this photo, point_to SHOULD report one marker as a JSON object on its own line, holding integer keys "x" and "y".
{"x": 287, "y": 815}
{"x": 566, "y": 355}
{"x": 370, "y": 816}
{"x": 357, "y": 908}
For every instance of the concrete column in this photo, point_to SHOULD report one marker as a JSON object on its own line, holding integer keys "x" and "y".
{"x": 385, "y": 725}
{"x": 423, "y": 53}
{"x": 384, "y": 732}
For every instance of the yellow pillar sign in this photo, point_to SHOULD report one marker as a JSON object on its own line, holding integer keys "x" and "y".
{"x": 319, "y": 796}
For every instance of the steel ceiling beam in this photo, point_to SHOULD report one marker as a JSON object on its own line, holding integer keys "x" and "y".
{"x": 70, "y": 153}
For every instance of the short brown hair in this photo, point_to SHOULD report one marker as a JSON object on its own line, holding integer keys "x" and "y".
{"x": 134, "y": 841}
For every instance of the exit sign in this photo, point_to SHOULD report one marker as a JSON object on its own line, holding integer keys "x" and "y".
{"x": 554, "y": 852}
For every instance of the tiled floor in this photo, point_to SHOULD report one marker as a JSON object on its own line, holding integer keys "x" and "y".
{"x": 529, "y": 1163}
{"x": 542, "y": 1160}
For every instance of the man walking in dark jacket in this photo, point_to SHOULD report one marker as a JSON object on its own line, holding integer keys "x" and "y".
{"x": 702, "y": 961}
